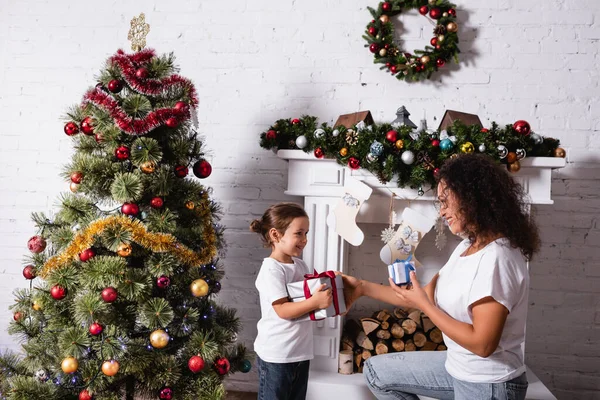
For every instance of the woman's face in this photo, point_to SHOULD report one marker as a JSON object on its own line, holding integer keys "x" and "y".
{"x": 450, "y": 209}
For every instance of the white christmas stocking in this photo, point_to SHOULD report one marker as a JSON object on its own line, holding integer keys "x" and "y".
{"x": 342, "y": 218}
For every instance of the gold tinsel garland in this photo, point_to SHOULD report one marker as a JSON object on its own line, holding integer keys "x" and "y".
{"x": 157, "y": 242}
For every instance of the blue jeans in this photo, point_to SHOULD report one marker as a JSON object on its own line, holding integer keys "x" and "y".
{"x": 405, "y": 375}
{"x": 287, "y": 381}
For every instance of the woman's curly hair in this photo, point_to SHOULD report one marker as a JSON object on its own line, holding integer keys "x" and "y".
{"x": 490, "y": 201}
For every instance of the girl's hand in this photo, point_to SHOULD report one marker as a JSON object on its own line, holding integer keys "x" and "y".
{"x": 322, "y": 298}
{"x": 413, "y": 294}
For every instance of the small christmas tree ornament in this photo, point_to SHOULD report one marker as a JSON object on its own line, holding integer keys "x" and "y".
{"x": 71, "y": 128}
{"x": 142, "y": 73}
{"x": 96, "y": 329}
{"x": 271, "y": 134}
{"x": 319, "y": 153}
{"x": 181, "y": 171}
{"x": 301, "y": 141}
{"x": 69, "y": 365}
{"x": 148, "y": 167}
{"x": 115, "y": 86}
{"x": 76, "y": 177}
{"x": 36, "y": 305}
{"x": 87, "y": 127}
{"x": 342, "y": 218}
{"x": 522, "y": 127}
{"x": 73, "y": 187}
{"x": 18, "y": 316}
{"x": 514, "y": 166}
{"x": 124, "y": 250}
{"x": 172, "y": 122}
{"x": 196, "y": 364}
{"x": 29, "y": 272}
{"x": 163, "y": 282}
{"x": 245, "y": 366}
{"x": 122, "y": 153}
{"x": 199, "y": 288}
{"x": 87, "y": 254}
{"x": 156, "y": 202}
{"x": 467, "y": 147}
{"x": 110, "y": 367}
{"x": 41, "y": 375}
{"x": 85, "y": 395}
{"x": 222, "y": 366}
{"x": 202, "y": 169}
{"x": 181, "y": 105}
{"x": 216, "y": 287}
{"x": 109, "y": 294}
{"x": 190, "y": 205}
{"x": 159, "y": 339}
{"x": 166, "y": 393}
{"x": 130, "y": 209}
{"x": 560, "y": 152}
{"x": 58, "y": 292}
{"x": 36, "y": 244}
{"x": 295, "y": 121}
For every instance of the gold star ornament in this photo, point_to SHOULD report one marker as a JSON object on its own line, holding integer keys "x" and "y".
{"x": 138, "y": 32}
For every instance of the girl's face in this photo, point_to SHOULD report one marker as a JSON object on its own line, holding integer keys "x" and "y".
{"x": 450, "y": 209}
{"x": 294, "y": 238}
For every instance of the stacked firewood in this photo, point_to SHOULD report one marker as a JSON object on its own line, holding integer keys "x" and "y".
{"x": 388, "y": 332}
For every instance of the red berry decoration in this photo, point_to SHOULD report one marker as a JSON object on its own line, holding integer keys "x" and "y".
{"x": 423, "y": 10}
{"x": 434, "y": 41}
{"x": 58, "y": 292}
{"x": 391, "y": 136}
{"x": 319, "y": 152}
{"x": 86, "y": 126}
{"x": 36, "y": 244}
{"x": 76, "y": 177}
{"x": 440, "y": 63}
{"x": 372, "y": 31}
{"x": 202, "y": 169}
{"x": 196, "y": 364}
{"x": 85, "y": 395}
{"x": 18, "y": 316}
{"x": 115, "y": 85}
{"x": 353, "y": 163}
{"x": 522, "y": 127}
{"x": 29, "y": 272}
{"x": 452, "y": 12}
{"x": 394, "y": 69}
{"x": 435, "y": 13}
{"x": 156, "y": 202}
{"x": 122, "y": 153}
{"x": 222, "y": 366}
{"x": 373, "y": 48}
{"x": 166, "y": 393}
{"x": 130, "y": 209}
{"x": 109, "y": 294}
{"x": 96, "y": 329}
{"x": 181, "y": 171}
{"x": 85, "y": 255}
{"x": 172, "y": 122}
{"x": 436, "y": 172}
{"x": 71, "y": 128}
{"x": 181, "y": 105}
{"x": 386, "y": 6}
{"x": 295, "y": 121}
{"x": 141, "y": 73}
{"x": 163, "y": 282}
{"x": 271, "y": 134}
{"x": 435, "y": 143}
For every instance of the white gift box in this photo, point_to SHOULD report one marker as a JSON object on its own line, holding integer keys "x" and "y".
{"x": 400, "y": 271}
{"x": 296, "y": 293}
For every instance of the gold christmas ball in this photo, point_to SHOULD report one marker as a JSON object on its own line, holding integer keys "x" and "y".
{"x": 110, "y": 368}
{"x": 189, "y": 205}
{"x": 514, "y": 167}
{"x": 451, "y": 27}
{"x": 425, "y": 59}
{"x": 399, "y": 144}
{"x": 445, "y": 14}
{"x": 467, "y": 147}
{"x": 511, "y": 157}
{"x": 69, "y": 365}
{"x": 382, "y": 52}
{"x": 159, "y": 339}
{"x": 74, "y": 187}
{"x": 343, "y": 152}
{"x": 124, "y": 250}
{"x": 384, "y": 19}
{"x": 36, "y": 305}
{"x": 560, "y": 152}
{"x": 148, "y": 167}
{"x": 441, "y": 38}
{"x": 199, "y": 288}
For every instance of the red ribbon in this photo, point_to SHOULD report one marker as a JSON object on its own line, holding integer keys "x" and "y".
{"x": 308, "y": 295}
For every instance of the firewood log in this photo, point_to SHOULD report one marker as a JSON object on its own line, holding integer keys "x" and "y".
{"x": 415, "y": 315}
{"x": 363, "y": 341}
{"x": 441, "y": 347}
{"x": 345, "y": 365}
{"x": 381, "y": 347}
{"x": 366, "y": 354}
{"x": 385, "y": 325}
{"x": 429, "y": 346}
{"x": 397, "y": 331}
{"x": 409, "y": 326}
{"x": 409, "y": 345}
{"x": 435, "y": 335}
{"x": 398, "y": 344}
{"x": 383, "y": 334}
{"x": 419, "y": 339}
{"x": 382, "y": 315}
{"x": 369, "y": 324}
{"x": 427, "y": 324}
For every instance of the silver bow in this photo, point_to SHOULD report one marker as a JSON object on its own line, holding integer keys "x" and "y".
{"x": 444, "y": 135}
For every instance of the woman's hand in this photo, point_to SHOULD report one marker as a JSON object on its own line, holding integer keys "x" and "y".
{"x": 413, "y": 295}
{"x": 352, "y": 290}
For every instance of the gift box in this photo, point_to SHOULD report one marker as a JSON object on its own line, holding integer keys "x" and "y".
{"x": 302, "y": 290}
{"x": 400, "y": 271}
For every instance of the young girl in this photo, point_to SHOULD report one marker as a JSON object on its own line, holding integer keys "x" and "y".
{"x": 284, "y": 345}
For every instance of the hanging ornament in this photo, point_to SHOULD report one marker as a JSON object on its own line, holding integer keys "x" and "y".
{"x": 99, "y": 138}
{"x": 423, "y": 10}
{"x": 73, "y": 187}
{"x": 391, "y": 136}
{"x": 343, "y": 152}
{"x": 434, "y": 41}
{"x": 481, "y": 148}
{"x": 420, "y": 192}
{"x": 58, "y": 292}
{"x": 301, "y": 141}
{"x": 172, "y": 122}
{"x": 85, "y": 395}
{"x": 86, "y": 126}
{"x": 425, "y": 59}
{"x": 446, "y": 144}
{"x": 115, "y": 86}
{"x": 181, "y": 171}
{"x": 156, "y": 202}
{"x": 122, "y": 153}
{"x": 130, "y": 209}
{"x": 159, "y": 339}
{"x": 435, "y": 13}
{"x": 386, "y": 6}
{"x": 371, "y": 157}
{"x": 537, "y": 139}
{"x": 202, "y": 169}
{"x": 36, "y": 244}
{"x": 71, "y": 128}
{"x": 514, "y": 167}
{"x": 37, "y": 305}
{"x": 85, "y": 255}
{"x": 199, "y": 288}
{"x": 319, "y": 152}
{"x": 141, "y": 73}
{"x": 440, "y": 62}
{"x": 560, "y": 152}
{"x": 245, "y": 366}
{"x": 372, "y": 31}
{"x": 216, "y": 287}
{"x": 374, "y": 48}
{"x": 110, "y": 367}
{"x": 109, "y": 294}
{"x": 163, "y": 281}
{"x": 445, "y": 14}
{"x": 522, "y": 127}
{"x": 351, "y": 137}
{"x": 376, "y": 148}
{"x": 353, "y": 163}
{"x": 452, "y": 12}
{"x": 124, "y": 250}
{"x": 295, "y": 121}
{"x": 181, "y": 105}
{"x": 436, "y": 172}
{"x": 271, "y": 134}
{"x": 408, "y": 157}
{"x": 511, "y": 157}
{"x": 467, "y": 147}
{"x": 521, "y": 153}
{"x": 335, "y": 133}
{"x": 399, "y": 144}
{"x": 196, "y": 364}
{"x": 435, "y": 143}
{"x": 29, "y": 272}
{"x": 95, "y": 329}
{"x": 76, "y": 176}
{"x": 190, "y": 205}
{"x": 452, "y": 27}
{"x": 41, "y": 375}
{"x": 18, "y": 316}
{"x": 69, "y": 365}
{"x": 148, "y": 167}
{"x": 222, "y": 365}
{"x": 502, "y": 151}
{"x": 319, "y": 133}
{"x": 166, "y": 393}
{"x": 382, "y": 52}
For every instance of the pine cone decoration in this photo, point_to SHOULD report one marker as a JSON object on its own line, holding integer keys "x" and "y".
{"x": 439, "y": 30}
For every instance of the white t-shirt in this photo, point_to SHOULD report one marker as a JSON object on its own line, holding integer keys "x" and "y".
{"x": 280, "y": 340}
{"x": 500, "y": 271}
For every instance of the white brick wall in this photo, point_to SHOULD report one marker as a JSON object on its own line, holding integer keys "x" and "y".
{"x": 256, "y": 61}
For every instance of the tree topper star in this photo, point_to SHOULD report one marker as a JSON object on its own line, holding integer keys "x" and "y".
{"x": 138, "y": 32}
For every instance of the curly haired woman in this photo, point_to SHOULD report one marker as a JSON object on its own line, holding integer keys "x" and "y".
{"x": 478, "y": 299}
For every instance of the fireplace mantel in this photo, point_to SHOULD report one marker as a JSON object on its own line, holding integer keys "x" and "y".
{"x": 321, "y": 183}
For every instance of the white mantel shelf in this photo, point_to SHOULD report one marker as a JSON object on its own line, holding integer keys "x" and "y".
{"x": 321, "y": 183}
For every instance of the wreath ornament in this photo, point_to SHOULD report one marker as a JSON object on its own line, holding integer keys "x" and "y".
{"x": 423, "y": 63}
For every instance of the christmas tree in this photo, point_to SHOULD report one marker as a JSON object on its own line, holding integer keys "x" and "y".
{"x": 123, "y": 277}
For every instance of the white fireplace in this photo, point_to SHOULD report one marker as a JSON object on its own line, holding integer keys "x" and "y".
{"x": 321, "y": 183}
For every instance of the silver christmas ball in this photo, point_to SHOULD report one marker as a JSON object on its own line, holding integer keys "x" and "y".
{"x": 41, "y": 375}
{"x": 521, "y": 153}
{"x": 408, "y": 157}
{"x": 371, "y": 157}
{"x": 481, "y": 148}
{"x": 335, "y": 133}
{"x": 502, "y": 151}
{"x": 537, "y": 139}
{"x": 301, "y": 142}
{"x": 319, "y": 133}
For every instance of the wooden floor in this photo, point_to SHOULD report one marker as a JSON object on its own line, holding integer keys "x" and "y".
{"x": 240, "y": 396}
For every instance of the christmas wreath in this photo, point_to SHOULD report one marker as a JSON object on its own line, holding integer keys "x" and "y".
{"x": 423, "y": 63}
{"x": 412, "y": 156}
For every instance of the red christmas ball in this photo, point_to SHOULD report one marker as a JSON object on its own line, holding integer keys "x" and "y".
{"x": 86, "y": 126}
{"x": 435, "y": 143}
{"x": 166, "y": 393}
{"x": 163, "y": 282}
{"x": 394, "y": 69}
{"x": 18, "y": 316}
{"x": 122, "y": 153}
{"x": 130, "y": 209}
{"x": 484, "y": 130}
{"x": 202, "y": 169}
{"x": 98, "y": 138}
{"x": 156, "y": 202}
{"x": 373, "y": 48}
{"x": 71, "y": 128}
{"x": 115, "y": 86}
{"x": 319, "y": 152}
{"x": 452, "y": 12}
{"x": 354, "y": 163}
{"x": 438, "y": 46}
{"x": 522, "y": 127}
{"x": 58, "y": 292}
{"x": 436, "y": 172}
{"x": 271, "y": 134}
{"x": 172, "y": 122}
{"x": 36, "y": 244}
{"x": 386, "y": 6}
{"x": 196, "y": 364}
{"x": 96, "y": 329}
{"x": 295, "y": 121}
{"x": 76, "y": 177}
{"x": 181, "y": 171}
{"x": 141, "y": 73}
{"x": 372, "y": 31}
{"x": 85, "y": 395}
{"x": 434, "y": 41}
{"x": 391, "y": 136}
{"x": 423, "y": 10}
{"x": 439, "y": 62}
{"x": 222, "y": 366}
{"x": 87, "y": 254}
{"x": 29, "y": 272}
{"x": 181, "y": 105}
{"x": 435, "y": 13}
{"x": 109, "y": 294}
